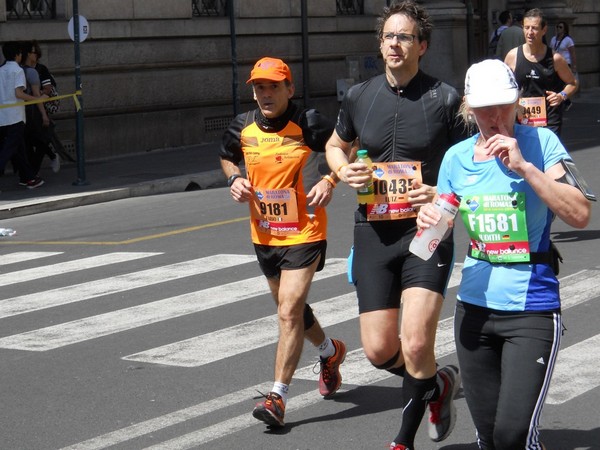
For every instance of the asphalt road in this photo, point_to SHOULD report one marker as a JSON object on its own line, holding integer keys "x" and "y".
{"x": 145, "y": 323}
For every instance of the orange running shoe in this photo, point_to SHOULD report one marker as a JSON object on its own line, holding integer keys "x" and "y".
{"x": 330, "y": 378}
{"x": 271, "y": 410}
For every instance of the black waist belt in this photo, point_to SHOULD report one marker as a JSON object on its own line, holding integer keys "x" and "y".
{"x": 535, "y": 258}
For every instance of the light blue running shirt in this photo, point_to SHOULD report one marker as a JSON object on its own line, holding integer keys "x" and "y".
{"x": 507, "y": 287}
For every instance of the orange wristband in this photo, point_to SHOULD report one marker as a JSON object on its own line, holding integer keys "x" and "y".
{"x": 337, "y": 172}
{"x": 330, "y": 180}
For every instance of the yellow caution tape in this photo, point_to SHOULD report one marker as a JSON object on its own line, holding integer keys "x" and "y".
{"x": 49, "y": 99}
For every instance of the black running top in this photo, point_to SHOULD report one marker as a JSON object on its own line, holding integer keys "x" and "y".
{"x": 416, "y": 123}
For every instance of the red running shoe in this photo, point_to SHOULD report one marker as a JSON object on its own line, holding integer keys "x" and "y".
{"x": 442, "y": 412}
{"x": 271, "y": 410}
{"x": 394, "y": 446}
{"x": 330, "y": 378}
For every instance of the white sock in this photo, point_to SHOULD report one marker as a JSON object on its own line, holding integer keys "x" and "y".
{"x": 326, "y": 349}
{"x": 281, "y": 389}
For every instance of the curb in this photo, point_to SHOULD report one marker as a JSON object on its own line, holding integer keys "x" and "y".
{"x": 192, "y": 182}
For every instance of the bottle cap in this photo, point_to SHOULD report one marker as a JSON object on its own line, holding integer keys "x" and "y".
{"x": 451, "y": 198}
{"x": 361, "y": 153}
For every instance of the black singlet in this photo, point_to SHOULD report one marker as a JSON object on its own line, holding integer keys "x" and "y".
{"x": 535, "y": 78}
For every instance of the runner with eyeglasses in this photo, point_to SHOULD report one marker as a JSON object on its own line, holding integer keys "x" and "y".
{"x": 406, "y": 120}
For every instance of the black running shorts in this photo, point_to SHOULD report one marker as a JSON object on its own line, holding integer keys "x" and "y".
{"x": 273, "y": 260}
{"x": 383, "y": 267}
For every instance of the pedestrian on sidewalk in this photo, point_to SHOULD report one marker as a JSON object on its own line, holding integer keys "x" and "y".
{"x": 507, "y": 323}
{"x": 288, "y": 219}
{"x": 505, "y": 19}
{"x": 511, "y": 37}
{"x": 37, "y": 127}
{"x": 563, "y": 43}
{"x": 48, "y": 87}
{"x": 12, "y": 119}
{"x": 401, "y": 116}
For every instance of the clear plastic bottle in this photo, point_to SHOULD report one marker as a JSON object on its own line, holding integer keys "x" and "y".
{"x": 427, "y": 239}
{"x": 7, "y": 232}
{"x": 365, "y": 194}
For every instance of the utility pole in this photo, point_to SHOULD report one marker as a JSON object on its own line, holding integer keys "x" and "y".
{"x": 81, "y": 181}
{"x": 305, "y": 55}
{"x": 234, "y": 66}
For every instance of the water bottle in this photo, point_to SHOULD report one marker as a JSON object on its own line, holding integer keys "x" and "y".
{"x": 7, "y": 232}
{"x": 365, "y": 194}
{"x": 427, "y": 239}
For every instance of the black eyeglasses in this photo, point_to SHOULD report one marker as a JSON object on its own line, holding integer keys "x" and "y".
{"x": 559, "y": 26}
{"x": 403, "y": 38}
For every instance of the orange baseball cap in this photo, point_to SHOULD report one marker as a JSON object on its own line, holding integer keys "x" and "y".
{"x": 270, "y": 69}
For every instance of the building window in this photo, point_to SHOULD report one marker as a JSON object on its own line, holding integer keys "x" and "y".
{"x": 204, "y": 8}
{"x": 30, "y": 9}
{"x": 350, "y": 7}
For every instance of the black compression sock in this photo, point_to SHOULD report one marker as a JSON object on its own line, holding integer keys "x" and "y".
{"x": 400, "y": 371}
{"x": 416, "y": 394}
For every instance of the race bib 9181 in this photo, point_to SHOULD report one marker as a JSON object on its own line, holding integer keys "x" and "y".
{"x": 275, "y": 211}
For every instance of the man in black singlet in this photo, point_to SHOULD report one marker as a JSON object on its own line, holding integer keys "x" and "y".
{"x": 545, "y": 78}
{"x": 406, "y": 120}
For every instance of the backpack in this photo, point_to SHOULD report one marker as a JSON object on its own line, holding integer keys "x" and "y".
{"x": 52, "y": 106}
{"x": 46, "y": 78}
{"x": 493, "y": 44}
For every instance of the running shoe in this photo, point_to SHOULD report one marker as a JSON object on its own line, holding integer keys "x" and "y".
{"x": 394, "y": 446}
{"x": 271, "y": 410}
{"x": 442, "y": 412}
{"x": 330, "y": 378}
{"x": 36, "y": 182}
{"x": 55, "y": 163}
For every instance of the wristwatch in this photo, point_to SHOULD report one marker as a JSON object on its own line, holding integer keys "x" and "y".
{"x": 232, "y": 178}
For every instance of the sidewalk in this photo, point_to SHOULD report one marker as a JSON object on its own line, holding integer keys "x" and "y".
{"x": 155, "y": 172}
{"x": 198, "y": 167}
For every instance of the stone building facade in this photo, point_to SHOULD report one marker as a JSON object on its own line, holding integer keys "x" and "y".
{"x": 167, "y": 73}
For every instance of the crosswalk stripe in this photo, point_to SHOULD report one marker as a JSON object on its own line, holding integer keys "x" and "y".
{"x": 254, "y": 334}
{"x": 148, "y": 426}
{"x": 579, "y": 287}
{"x": 36, "y": 273}
{"x": 17, "y": 257}
{"x": 567, "y": 383}
{"x": 221, "y": 344}
{"x": 575, "y": 289}
{"x": 356, "y": 370}
{"x": 112, "y": 285}
{"x": 192, "y": 352}
{"x": 57, "y": 336}
{"x": 359, "y": 371}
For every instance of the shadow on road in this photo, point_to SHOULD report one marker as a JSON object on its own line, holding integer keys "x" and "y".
{"x": 575, "y": 235}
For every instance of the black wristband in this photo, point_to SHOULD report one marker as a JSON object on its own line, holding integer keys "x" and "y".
{"x": 232, "y": 178}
